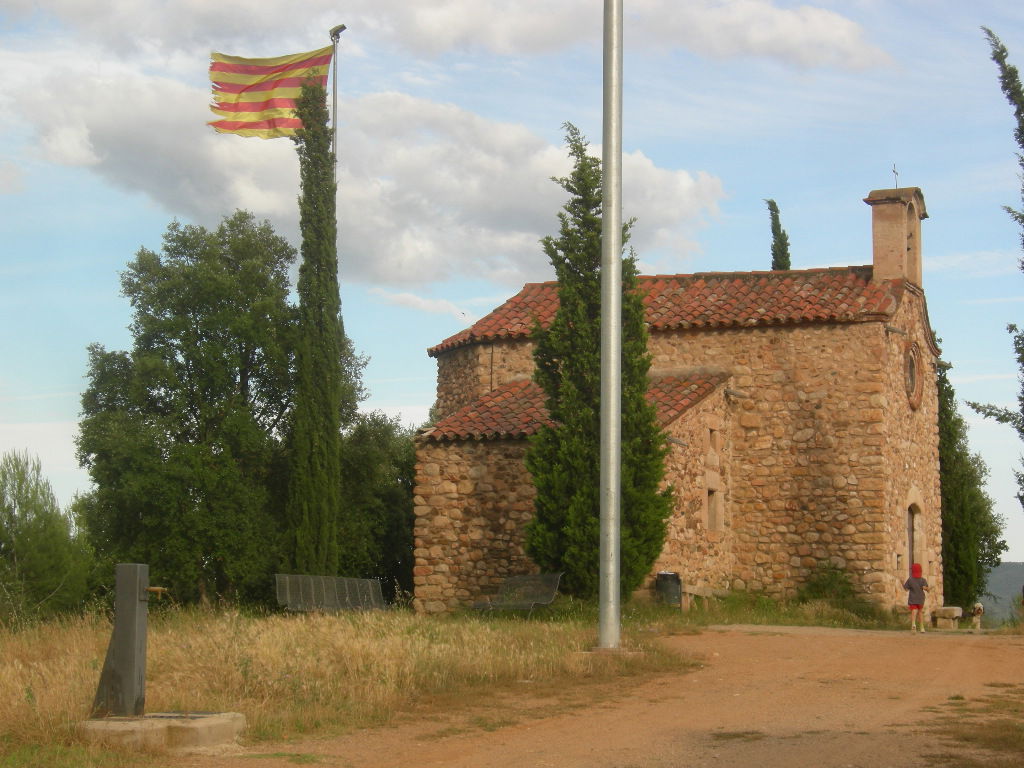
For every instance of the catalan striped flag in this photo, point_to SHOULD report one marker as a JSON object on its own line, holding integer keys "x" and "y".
{"x": 257, "y": 97}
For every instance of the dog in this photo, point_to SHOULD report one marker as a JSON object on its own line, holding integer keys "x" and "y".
{"x": 976, "y": 614}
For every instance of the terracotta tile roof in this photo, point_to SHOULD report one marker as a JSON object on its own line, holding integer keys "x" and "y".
{"x": 713, "y": 300}
{"x": 675, "y": 395}
{"x": 516, "y": 410}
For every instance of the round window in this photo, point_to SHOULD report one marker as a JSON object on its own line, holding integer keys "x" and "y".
{"x": 913, "y": 374}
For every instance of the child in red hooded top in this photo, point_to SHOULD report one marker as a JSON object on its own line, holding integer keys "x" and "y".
{"x": 916, "y": 587}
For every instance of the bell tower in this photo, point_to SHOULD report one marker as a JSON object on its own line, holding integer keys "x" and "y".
{"x": 896, "y": 216}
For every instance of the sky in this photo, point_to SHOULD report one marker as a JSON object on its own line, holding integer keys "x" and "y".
{"x": 450, "y": 126}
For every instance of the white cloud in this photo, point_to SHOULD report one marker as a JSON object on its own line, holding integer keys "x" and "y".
{"x": 422, "y": 304}
{"x": 668, "y": 205}
{"x": 803, "y": 36}
{"x": 148, "y": 134}
{"x": 410, "y": 416}
{"x": 68, "y": 143}
{"x": 427, "y": 191}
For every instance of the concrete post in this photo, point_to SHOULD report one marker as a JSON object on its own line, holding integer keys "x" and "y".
{"x": 122, "y": 688}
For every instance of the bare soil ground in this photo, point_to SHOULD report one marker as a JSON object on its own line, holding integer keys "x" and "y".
{"x": 760, "y": 696}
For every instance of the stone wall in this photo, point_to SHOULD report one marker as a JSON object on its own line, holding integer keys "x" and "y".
{"x": 467, "y": 373}
{"x": 911, "y": 453}
{"x": 808, "y": 480}
{"x": 698, "y": 543}
{"x": 472, "y": 500}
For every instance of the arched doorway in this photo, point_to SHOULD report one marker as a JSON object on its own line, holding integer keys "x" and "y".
{"x": 914, "y": 538}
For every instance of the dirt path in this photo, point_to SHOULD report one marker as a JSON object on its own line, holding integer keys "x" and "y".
{"x": 764, "y": 696}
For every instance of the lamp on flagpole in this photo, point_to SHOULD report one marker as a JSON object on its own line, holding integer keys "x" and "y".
{"x": 611, "y": 330}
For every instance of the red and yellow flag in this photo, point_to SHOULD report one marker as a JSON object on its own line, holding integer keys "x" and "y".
{"x": 257, "y": 97}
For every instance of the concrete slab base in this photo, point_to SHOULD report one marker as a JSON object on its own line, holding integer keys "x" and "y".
{"x": 175, "y": 731}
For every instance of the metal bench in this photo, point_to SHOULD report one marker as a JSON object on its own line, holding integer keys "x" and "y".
{"x": 327, "y": 593}
{"x": 523, "y": 593}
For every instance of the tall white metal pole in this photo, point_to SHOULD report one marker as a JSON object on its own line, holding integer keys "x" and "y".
{"x": 335, "y": 35}
{"x": 611, "y": 329}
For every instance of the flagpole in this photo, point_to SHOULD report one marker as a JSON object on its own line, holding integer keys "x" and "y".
{"x": 609, "y": 616}
{"x": 335, "y": 34}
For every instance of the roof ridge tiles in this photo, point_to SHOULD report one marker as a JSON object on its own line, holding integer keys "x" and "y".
{"x": 516, "y": 409}
{"x": 711, "y": 300}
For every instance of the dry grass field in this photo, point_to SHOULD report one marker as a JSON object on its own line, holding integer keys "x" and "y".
{"x": 289, "y": 674}
{"x": 438, "y": 683}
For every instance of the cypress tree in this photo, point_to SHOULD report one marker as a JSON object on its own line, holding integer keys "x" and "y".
{"x": 971, "y": 530}
{"x": 564, "y": 460}
{"x": 325, "y": 397}
{"x": 1013, "y": 90}
{"x": 780, "y": 240}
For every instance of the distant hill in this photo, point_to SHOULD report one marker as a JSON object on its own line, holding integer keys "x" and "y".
{"x": 1004, "y": 583}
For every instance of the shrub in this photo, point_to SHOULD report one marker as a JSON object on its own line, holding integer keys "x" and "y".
{"x": 832, "y": 585}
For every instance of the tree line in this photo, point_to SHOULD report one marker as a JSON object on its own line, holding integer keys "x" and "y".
{"x": 217, "y": 444}
{"x": 226, "y": 444}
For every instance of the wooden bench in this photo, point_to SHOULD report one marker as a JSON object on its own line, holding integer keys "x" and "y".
{"x": 327, "y": 593}
{"x": 523, "y": 593}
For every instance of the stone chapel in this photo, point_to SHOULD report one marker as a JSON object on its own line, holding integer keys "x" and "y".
{"x": 801, "y": 413}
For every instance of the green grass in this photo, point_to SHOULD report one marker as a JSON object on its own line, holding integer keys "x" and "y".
{"x": 641, "y": 616}
{"x": 752, "y": 608}
{"x": 987, "y": 732}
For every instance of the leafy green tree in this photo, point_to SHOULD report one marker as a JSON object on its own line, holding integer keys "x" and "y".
{"x": 780, "y": 240}
{"x": 1009, "y": 80}
{"x": 44, "y": 565}
{"x": 183, "y": 434}
{"x": 378, "y": 461}
{"x": 322, "y": 534}
{"x": 564, "y": 460}
{"x": 971, "y": 530}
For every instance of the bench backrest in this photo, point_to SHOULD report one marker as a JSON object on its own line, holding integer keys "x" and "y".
{"x": 327, "y": 593}
{"x": 530, "y": 588}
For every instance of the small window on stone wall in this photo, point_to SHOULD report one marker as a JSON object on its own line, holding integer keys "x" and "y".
{"x": 714, "y": 510}
{"x": 913, "y": 374}
{"x": 714, "y": 441}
